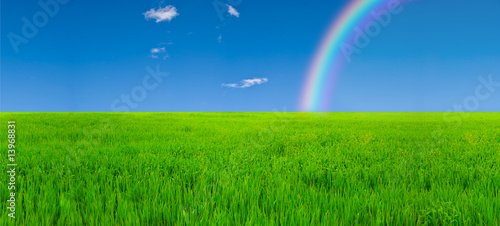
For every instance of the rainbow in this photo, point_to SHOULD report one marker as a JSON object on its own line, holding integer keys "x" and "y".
{"x": 327, "y": 62}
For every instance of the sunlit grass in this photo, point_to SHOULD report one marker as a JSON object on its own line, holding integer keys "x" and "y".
{"x": 254, "y": 168}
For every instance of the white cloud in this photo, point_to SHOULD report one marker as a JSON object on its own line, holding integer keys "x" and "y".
{"x": 157, "y": 52}
{"x": 231, "y": 10}
{"x": 219, "y": 38}
{"x": 166, "y": 13}
{"x": 245, "y": 83}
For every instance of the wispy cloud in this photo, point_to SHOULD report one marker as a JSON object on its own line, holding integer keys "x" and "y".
{"x": 245, "y": 83}
{"x": 219, "y": 39}
{"x": 231, "y": 10}
{"x": 166, "y": 13}
{"x": 157, "y": 52}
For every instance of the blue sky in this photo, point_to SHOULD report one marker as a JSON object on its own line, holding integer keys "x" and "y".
{"x": 90, "y": 54}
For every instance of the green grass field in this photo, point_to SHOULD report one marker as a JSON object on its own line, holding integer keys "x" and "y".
{"x": 253, "y": 168}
